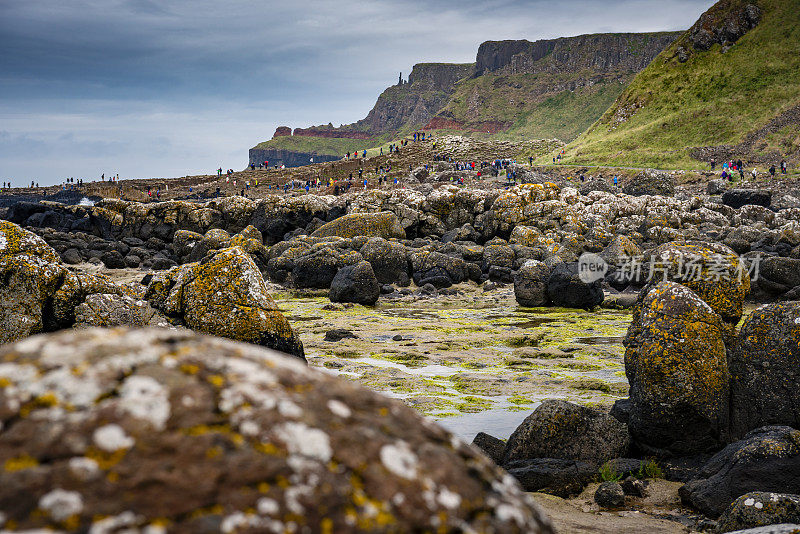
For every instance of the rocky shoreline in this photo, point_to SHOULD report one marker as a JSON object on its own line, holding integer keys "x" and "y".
{"x": 455, "y": 300}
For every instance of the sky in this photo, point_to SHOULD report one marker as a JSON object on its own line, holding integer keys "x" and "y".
{"x": 162, "y": 89}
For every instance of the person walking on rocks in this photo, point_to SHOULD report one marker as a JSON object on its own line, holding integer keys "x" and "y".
{"x": 783, "y": 166}
{"x": 713, "y": 164}
{"x": 772, "y": 171}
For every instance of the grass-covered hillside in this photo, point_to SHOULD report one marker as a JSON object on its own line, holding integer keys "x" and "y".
{"x": 324, "y": 146}
{"x": 711, "y": 93}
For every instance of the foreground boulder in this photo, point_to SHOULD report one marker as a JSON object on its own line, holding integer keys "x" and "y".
{"x": 355, "y": 283}
{"x": 384, "y": 224}
{"x": 766, "y": 459}
{"x": 676, "y": 365}
{"x": 530, "y": 284}
{"x": 206, "y": 435}
{"x": 560, "y": 429}
{"x": 225, "y": 295}
{"x": 758, "y": 509}
{"x": 566, "y": 289}
{"x": 765, "y": 369}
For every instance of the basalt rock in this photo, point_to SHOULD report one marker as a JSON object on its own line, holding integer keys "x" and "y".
{"x": 559, "y": 429}
{"x": 767, "y": 460}
{"x": 355, "y": 283}
{"x": 112, "y": 430}
{"x": 765, "y": 369}
{"x": 530, "y": 284}
{"x": 675, "y": 361}
{"x": 224, "y": 295}
{"x": 565, "y": 288}
{"x": 385, "y": 225}
{"x": 759, "y": 509}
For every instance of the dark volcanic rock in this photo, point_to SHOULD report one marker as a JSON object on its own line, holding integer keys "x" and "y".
{"x": 530, "y": 284}
{"x": 389, "y": 260}
{"x": 113, "y": 260}
{"x": 650, "y": 182}
{"x": 609, "y": 495}
{"x": 161, "y": 423}
{"x": 438, "y": 269}
{"x": 758, "y": 509}
{"x": 736, "y": 198}
{"x": 491, "y": 446}
{"x": 766, "y": 459}
{"x": 355, "y": 283}
{"x": 566, "y": 289}
{"x": 550, "y": 475}
{"x": 71, "y": 256}
{"x": 559, "y": 429}
{"x": 676, "y": 365}
{"x": 338, "y": 334}
{"x": 765, "y": 369}
{"x": 315, "y": 270}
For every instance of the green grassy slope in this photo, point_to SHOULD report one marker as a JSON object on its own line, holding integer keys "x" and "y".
{"x": 550, "y": 115}
{"x": 318, "y": 145}
{"x": 712, "y": 99}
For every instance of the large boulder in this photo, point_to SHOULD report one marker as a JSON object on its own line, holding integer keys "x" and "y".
{"x": 712, "y": 270}
{"x": 566, "y": 289}
{"x": 765, "y": 369}
{"x": 560, "y": 429}
{"x": 563, "y": 478}
{"x": 778, "y": 275}
{"x": 112, "y": 430}
{"x": 530, "y": 284}
{"x": 736, "y": 198}
{"x": 224, "y": 295}
{"x": 110, "y": 310}
{"x": 315, "y": 270}
{"x": 758, "y": 509}
{"x": 31, "y": 274}
{"x": 676, "y": 365}
{"x": 766, "y": 459}
{"x": 650, "y": 182}
{"x": 355, "y": 283}
{"x": 389, "y": 260}
{"x": 438, "y": 269}
{"x": 384, "y": 224}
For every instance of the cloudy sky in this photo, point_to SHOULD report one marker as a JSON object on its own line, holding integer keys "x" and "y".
{"x": 146, "y": 88}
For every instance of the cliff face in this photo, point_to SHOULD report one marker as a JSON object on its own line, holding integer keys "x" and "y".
{"x": 600, "y": 53}
{"x": 547, "y": 89}
{"x": 411, "y": 105}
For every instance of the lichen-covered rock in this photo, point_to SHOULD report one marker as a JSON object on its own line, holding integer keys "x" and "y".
{"x": 609, "y": 495}
{"x": 767, "y": 459}
{"x": 676, "y": 365}
{"x": 315, "y": 270}
{"x": 530, "y": 284}
{"x": 566, "y": 289}
{"x": 758, "y": 509}
{"x": 782, "y": 528}
{"x": 154, "y": 430}
{"x": 560, "y": 429}
{"x": 31, "y": 273}
{"x": 620, "y": 251}
{"x": 109, "y": 310}
{"x": 384, "y": 224}
{"x": 778, "y": 275}
{"x": 765, "y": 369}
{"x": 225, "y": 295}
{"x": 183, "y": 242}
{"x": 650, "y": 182}
{"x": 440, "y": 270}
{"x": 712, "y": 270}
{"x": 355, "y": 283}
{"x": 389, "y": 260}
